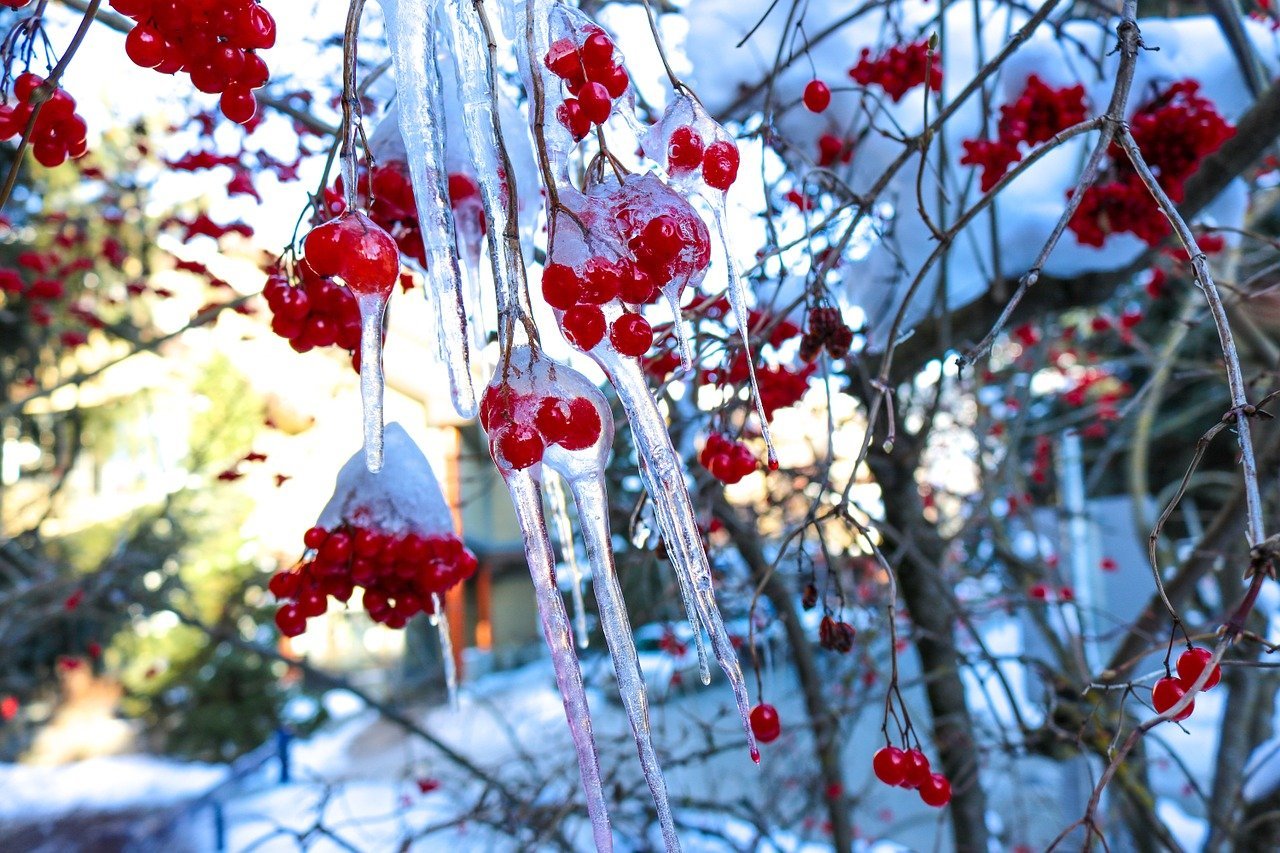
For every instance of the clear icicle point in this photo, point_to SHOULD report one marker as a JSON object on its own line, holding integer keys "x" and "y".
{"x": 372, "y": 306}
{"x": 527, "y": 499}
{"x": 441, "y": 620}
{"x": 738, "y": 301}
{"x": 592, "y": 502}
{"x": 665, "y": 480}
{"x": 419, "y": 103}
{"x": 564, "y": 533}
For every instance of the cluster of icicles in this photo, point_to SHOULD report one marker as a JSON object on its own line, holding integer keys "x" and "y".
{"x": 617, "y": 244}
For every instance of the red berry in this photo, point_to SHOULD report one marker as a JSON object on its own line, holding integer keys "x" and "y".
{"x": 765, "y": 723}
{"x": 560, "y": 286}
{"x": 518, "y": 445}
{"x": 720, "y": 165}
{"x": 684, "y": 150}
{"x": 817, "y": 97}
{"x": 315, "y": 537}
{"x": 239, "y": 104}
{"x": 597, "y": 51}
{"x": 601, "y": 282}
{"x": 290, "y": 620}
{"x": 637, "y": 286}
{"x": 916, "y": 767}
{"x": 562, "y": 59}
{"x": 145, "y": 46}
{"x": 355, "y": 249}
{"x": 890, "y": 765}
{"x": 631, "y": 335}
{"x": 583, "y": 326}
{"x": 1166, "y": 694}
{"x": 595, "y": 103}
{"x": 615, "y": 81}
{"x": 936, "y": 791}
{"x": 574, "y": 425}
{"x": 1192, "y": 662}
{"x": 571, "y": 115}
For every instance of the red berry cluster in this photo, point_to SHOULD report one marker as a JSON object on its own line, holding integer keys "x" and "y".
{"x": 780, "y": 387}
{"x": 687, "y": 152}
{"x": 356, "y": 250}
{"x": 832, "y": 149}
{"x": 728, "y": 461}
{"x": 39, "y": 280}
{"x": 314, "y": 313}
{"x": 399, "y": 574}
{"x": 910, "y": 769}
{"x": 520, "y": 426}
{"x": 1038, "y": 113}
{"x": 387, "y": 194}
{"x": 836, "y": 636}
{"x": 899, "y": 69}
{"x": 592, "y": 72}
{"x": 766, "y": 725}
{"x": 215, "y": 41}
{"x": 1169, "y": 690}
{"x": 59, "y": 130}
{"x": 1175, "y": 131}
{"x": 827, "y": 330}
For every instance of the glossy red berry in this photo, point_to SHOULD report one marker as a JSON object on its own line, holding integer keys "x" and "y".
{"x": 936, "y": 791}
{"x": 817, "y": 96}
{"x": 518, "y": 445}
{"x": 720, "y": 165}
{"x": 595, "y": 103}
{"x": 916, "y": 767}
{"x": 765, "y": 723}
{"x": 315, "y": 537}
{"x": 560, "y": 286}
{"x": 574, "y": 424}
{"x": 890, "y": 765}
{"x": 239, "y": 104}
{"x": 355, "y": 249}
{"x": 290, "y": 621}
{"x": 583, "y": 326}
{"x": 571, "y": 115}
{"x": 1165, "y": 695}
{"x": 145, "y": 46}
{"x": 684, "y": 150}
{"x": 597, "y": 51}
{"x": 1192, "y": 662}
{"x": 631, "y": 335}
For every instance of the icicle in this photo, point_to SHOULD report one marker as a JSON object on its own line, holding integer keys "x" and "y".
{"x": 372, "y": 306}
{"x": 592, "y": 502}
{"x": 527, "y": 499}
{"x": 441, "y": 620}
{"x": 738, "y": 300}
{"x": 670, "y": 496}
{"x": 411, "y": 38}
{"x": 564, "y": 533}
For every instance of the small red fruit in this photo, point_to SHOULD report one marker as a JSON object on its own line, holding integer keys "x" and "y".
{"x": 916, "y": 766}
{"x": 817, "y": 97}
{"x": 720, "y": 165}
{"x": 290, "y": 620}
{"x": 936, "y": 791}
{"x": 765, "y": 723}
{"x": 1166, "y": 694}
{"x": 890, "y": 765}
{"x": 584, "y": 326}
{"x": 1192, "y": 662}
{"x": 574, "y": 425}
{"x": 684, "y": 150}
{"x": 560, "y": 286}
{"x": 595, "y": 103}
{"x": 519, "y": 446}
{"x": 631, "y": 335}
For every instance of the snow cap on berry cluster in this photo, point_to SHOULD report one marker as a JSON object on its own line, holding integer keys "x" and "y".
{"x": 404, "y": 497}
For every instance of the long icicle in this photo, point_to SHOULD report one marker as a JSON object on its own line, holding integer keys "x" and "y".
{"x": 420, "y": 103}
{"x": 564, "y": 533}
{"x": 526, "y": 496}
{"x": 372, "y": 307}
{"x": 679, "y": 523}
{"x": 592, "y": 503}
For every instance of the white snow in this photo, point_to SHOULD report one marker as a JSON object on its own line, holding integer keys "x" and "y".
{"x": 101, "y": 784}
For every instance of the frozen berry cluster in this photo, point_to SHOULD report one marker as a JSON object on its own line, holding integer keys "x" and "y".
{"x": 216, "y": 42}
{"x": 314, "y": 312}
{"x": 399, "y": 574}
{"x": 1039, "y": 112}
{"x": 727, "y": 460}
{"x": 827, "y": 330}
{"x": 910, "y": 769}
{"x": 1174, "y": 132}
{"x": 521, "y": 426}
{"x": 387, "y": 194}
{"x": 687, "y": 152}
{"x": 592, "y": 71}
{"x": 899, "y": 69}
{"x": 1170, "y": 689}
{"x": 59, "y": 131}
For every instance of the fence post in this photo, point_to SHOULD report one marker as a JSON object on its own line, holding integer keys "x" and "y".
{"x": 219, "y": 828}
